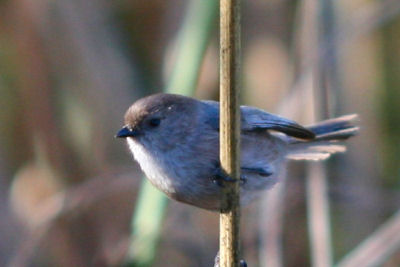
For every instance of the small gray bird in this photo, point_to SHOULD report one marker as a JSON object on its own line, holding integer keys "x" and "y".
{"x": 175, "y": 139}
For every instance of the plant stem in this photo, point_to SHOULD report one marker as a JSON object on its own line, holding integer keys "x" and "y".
{"x": 230, "y": 130}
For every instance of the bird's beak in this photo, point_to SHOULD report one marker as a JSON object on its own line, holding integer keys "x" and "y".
{"x": 127, "y": 132}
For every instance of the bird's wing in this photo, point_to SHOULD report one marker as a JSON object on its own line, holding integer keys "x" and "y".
{"x": 211, "y": 111}
{"x": 253, "y": 119}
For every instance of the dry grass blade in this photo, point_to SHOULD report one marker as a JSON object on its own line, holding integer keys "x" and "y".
{"x": 377, "y": 247}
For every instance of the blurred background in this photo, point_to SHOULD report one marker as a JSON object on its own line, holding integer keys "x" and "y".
{"x": 69, "y": 69}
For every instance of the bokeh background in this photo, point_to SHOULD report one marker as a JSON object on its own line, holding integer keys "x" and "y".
{"x": 70, "y": 68}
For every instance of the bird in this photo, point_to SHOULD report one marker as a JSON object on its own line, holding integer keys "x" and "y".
{"x": 175, "y": 140}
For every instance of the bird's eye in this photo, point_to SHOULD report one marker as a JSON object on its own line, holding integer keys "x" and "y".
{"x": 154, "y": 122}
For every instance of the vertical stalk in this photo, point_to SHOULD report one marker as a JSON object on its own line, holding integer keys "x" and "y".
{"x": 318, "y": 216}
{"x": 325, "y": 77}
{"x": 230, "y": 130}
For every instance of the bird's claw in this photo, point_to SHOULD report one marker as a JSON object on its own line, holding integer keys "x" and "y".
{"x": 220, "y": 177}
{"x": 242, "y": 263}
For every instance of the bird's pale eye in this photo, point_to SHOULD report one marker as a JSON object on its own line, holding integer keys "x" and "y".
{"x": 154, "y": 122}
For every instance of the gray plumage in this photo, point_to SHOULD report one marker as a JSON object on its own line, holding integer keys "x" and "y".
{"x": 175, "y": 139}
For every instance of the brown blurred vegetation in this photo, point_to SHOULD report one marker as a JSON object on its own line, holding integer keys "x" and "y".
{"x": 70, "y": 68}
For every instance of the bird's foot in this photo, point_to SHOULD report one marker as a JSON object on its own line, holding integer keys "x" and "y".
{"x": 220, "y": 177}
{"x": 242, "y": 263}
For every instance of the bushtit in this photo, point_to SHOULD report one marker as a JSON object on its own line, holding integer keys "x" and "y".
{"x": 175, "y": 139}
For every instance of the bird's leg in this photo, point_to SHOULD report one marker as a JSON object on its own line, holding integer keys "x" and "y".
{"x": 242, "y": 263}
{"x": 220, "y": 176}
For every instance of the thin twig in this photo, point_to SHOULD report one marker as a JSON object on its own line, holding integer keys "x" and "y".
{"x": 317, "y": 198}
{"x": 318, "y": 216}
{"x": 317, "y": 201}
{"x": 229, "y": 133}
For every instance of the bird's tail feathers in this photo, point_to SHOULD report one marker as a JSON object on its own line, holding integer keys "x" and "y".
{"x": 329, "y": 138}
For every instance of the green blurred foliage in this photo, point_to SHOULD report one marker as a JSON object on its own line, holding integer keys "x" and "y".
{"x": 389, "y": 104}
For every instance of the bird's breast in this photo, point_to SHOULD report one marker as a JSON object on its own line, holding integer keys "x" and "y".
{"x": 152, "y": 166}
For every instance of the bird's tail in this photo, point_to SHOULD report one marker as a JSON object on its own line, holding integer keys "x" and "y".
{"x": 329, "y": 137}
